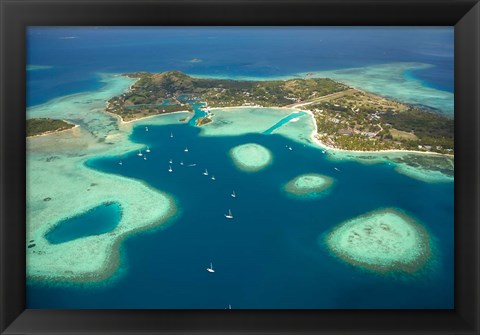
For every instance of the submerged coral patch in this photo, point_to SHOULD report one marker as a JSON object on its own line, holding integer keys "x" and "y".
{"x": 381, "y": 241}
{"x": 308, "y": 185}
{"x": 251, "y": 157}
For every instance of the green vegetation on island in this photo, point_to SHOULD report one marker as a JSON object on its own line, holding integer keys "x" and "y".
{"x": 170, "y": 91}
{"x": 367, "y": 122}
{"x": 128, "y": 109}
{"x": 346, "y": 118}
{"x": 45, "y": 126}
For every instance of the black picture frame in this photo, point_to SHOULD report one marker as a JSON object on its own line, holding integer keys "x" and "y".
{"x": 16, "y": 15}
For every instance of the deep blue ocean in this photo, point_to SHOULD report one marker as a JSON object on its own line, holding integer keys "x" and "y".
{"x": 77, "y": 55}
{"x": 270, "y": 255}
{"x": 98, "y": 220}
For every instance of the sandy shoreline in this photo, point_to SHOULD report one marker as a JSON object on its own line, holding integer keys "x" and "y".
{"x": 312, "y": 135}
{"x": 327, "y": 147}
{"x": 237, "y": 107}
{"x": 55, "y": 131}
{"x": 120, "y": 119}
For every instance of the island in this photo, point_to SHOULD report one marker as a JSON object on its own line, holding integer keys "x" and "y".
{"x": 310, "y": 185}
{"x": 43, "y": 126}
{"x": 251, "y": 157}
{"x": 345, "y": 118}
{"x": 381, "y": 241}
{"x": 173, "y": 91}
{"x": 202, "y": 121}
{"x": 357, "y": 120}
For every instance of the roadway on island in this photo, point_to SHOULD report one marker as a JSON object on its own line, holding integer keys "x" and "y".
{"x": 322, "y": 98}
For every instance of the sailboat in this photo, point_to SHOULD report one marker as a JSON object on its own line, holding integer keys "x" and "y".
{"x": 186, "y": 150}
{"x": 337, "y": 169}
{"x": 171, "y": 135}
{"x": 170, "y": 168}
{"x": 205, "y": 173}
{"x": 139, "y": 153}
{"x": 229, "y": 215}
{"x": 146, "y": 128}
{"x": 144, "y": 158}
{"x": 148, "y": 149}
{"x": 210, "y": 269}
{"x": 170, "y": 161}
{"x": 213, "y": 177}
{"x": 120, "y": 163}
{"x": 233, "y": 194}
{"x": 290, "y": 148}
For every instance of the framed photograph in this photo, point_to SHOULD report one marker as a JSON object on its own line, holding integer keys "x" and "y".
{"x": 240, "y": 167}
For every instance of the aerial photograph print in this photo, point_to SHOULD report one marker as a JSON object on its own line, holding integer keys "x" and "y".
{"x": 240, "y": 167}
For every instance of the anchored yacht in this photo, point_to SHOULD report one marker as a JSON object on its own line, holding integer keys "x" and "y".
{"x": 229, "y": 215}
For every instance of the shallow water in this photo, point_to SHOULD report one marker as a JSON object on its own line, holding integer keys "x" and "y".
{"x": 229, "y": 52}
{"x": 288, "y": 118}
{"x": 270, "y": 235}
{"x": 397, "y": 81}
{"x": 269, "y": 255}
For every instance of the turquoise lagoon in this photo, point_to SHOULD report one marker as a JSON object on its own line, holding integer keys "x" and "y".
{"x": 269, "y": 254}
